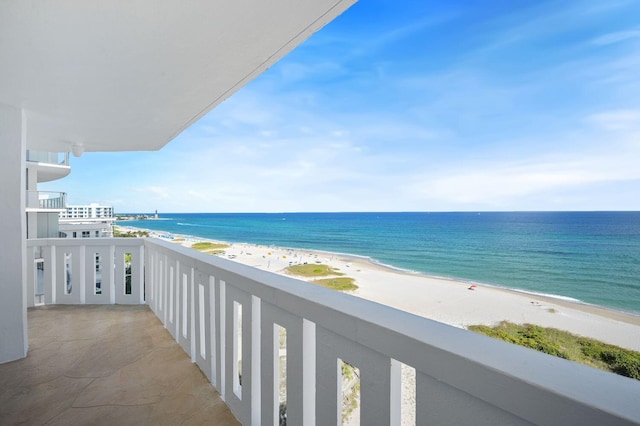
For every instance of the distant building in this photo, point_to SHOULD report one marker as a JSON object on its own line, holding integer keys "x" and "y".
{"x": 92, "y": 211}
{"x": 88, "y": 221}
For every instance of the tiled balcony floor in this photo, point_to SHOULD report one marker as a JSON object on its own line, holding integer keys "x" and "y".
{"x": 105, "y": 365}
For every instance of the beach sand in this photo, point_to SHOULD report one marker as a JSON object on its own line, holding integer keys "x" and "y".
{"x": 444, "y": 300}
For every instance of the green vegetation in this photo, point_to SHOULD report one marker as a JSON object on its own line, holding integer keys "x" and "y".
{"x": 129, "y": 234}
{"x": 350, "y": 377}
{"x": 312, "y": 270}
{"x": 340, "y": 284}
{"x": 336, "y": 281}
{"x": 209, "y": 247}
{"x": 568, "y": 346}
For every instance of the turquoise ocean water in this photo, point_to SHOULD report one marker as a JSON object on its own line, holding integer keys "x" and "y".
{"x": 593, "y": 257}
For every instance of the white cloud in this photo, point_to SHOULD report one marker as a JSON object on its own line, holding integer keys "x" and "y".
{"x": 616, "y": 37}
{"x": 622, "y": 119}
{"x": 511, "y": 183}
{"x": 296, "y": 71}
{"x": 159, "y": 192}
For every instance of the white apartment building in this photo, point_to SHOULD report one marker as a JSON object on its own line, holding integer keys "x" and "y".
{"x": 91, "y": 211}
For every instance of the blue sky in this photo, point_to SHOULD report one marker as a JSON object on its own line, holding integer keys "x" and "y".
{"x": 411, "y": 106}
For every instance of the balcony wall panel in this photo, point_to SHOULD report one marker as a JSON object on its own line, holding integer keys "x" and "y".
{"x": 270, "y": 361}
{"x": 375, "y": 379}
{"x": 184, "y": 302}
{"x": 203, "y": 335}
{"x": 238, "y": 386}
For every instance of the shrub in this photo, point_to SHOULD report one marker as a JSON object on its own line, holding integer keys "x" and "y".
{"x": 565, "y": 345}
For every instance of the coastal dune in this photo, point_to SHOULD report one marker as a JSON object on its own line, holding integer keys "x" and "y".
{"x": 451, "y": 302}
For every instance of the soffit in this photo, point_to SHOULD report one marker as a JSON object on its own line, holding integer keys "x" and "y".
{"x": 131, "y": 75}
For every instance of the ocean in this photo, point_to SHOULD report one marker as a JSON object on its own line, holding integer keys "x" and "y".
{"x": 591, "y": 257}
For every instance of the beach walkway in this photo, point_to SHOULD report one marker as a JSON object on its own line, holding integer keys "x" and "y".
{"x": 105, "y": 364}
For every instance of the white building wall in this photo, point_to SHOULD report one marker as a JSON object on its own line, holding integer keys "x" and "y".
{"x": 14, "y": 340}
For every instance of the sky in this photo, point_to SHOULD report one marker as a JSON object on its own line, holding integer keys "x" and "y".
{"x": 403, "y": 105}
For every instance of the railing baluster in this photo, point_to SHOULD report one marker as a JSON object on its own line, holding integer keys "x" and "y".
{"x": 214, "y": 331}
{"x": 222, "y": 339}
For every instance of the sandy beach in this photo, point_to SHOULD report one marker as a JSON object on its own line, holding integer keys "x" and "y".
{"x": 443, "y": 300}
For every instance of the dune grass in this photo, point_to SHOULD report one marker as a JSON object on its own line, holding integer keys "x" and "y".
{"x": 340, "y": 284}
{"x": 568, "y": 346}
{"x": 208, "y": 247}
{"x": 335, "y": 280}
{"x": 312, "y": 270}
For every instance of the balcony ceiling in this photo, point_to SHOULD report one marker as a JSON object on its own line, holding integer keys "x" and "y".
{"x": 128, "y": 75}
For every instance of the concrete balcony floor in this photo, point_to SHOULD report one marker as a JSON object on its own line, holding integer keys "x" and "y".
{"x": 105, "y": 364}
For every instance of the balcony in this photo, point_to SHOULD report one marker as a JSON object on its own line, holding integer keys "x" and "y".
{"x": 55, "y": 158}
{"x": 49, "y": 165}
{"x": 225, "y": 317}
{"x": 46, "y": 201}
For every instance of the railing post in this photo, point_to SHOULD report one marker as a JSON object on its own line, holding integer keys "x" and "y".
{"x": 112, "y": 272}
{"x": 214, "y": 332}
{"x": 327, "y": 393}
{"x": 255, "y": 360}
{"x": 50, "y": 274}
{"x": 395, "y": 399}
{"x": 222, "y": 350}
{"x": 140, "y": 274}
{"x": 30, "y": 281}
{"x": 309, "y": 372}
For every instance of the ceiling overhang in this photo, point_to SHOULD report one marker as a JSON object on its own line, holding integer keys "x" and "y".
{"x": 128, "y": 75}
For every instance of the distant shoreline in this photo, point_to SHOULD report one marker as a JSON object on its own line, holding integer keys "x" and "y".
{"x": 556, "y": 298}
{"x": 442, "y": 299}
{"x": 589, "y": 256}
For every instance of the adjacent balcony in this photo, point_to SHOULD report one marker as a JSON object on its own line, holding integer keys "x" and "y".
{"x": 46, "y": 201}
{"x": 49, "y": 165}
{"x": 55, "y": 158}
{"x": 274, "y": 347}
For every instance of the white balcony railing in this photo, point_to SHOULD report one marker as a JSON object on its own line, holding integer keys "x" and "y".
{"x": 224, "y": 314}
{"x": 57, "y": 158}
{"x": 87, "y": 271}
{"x": 46, "y": 200}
